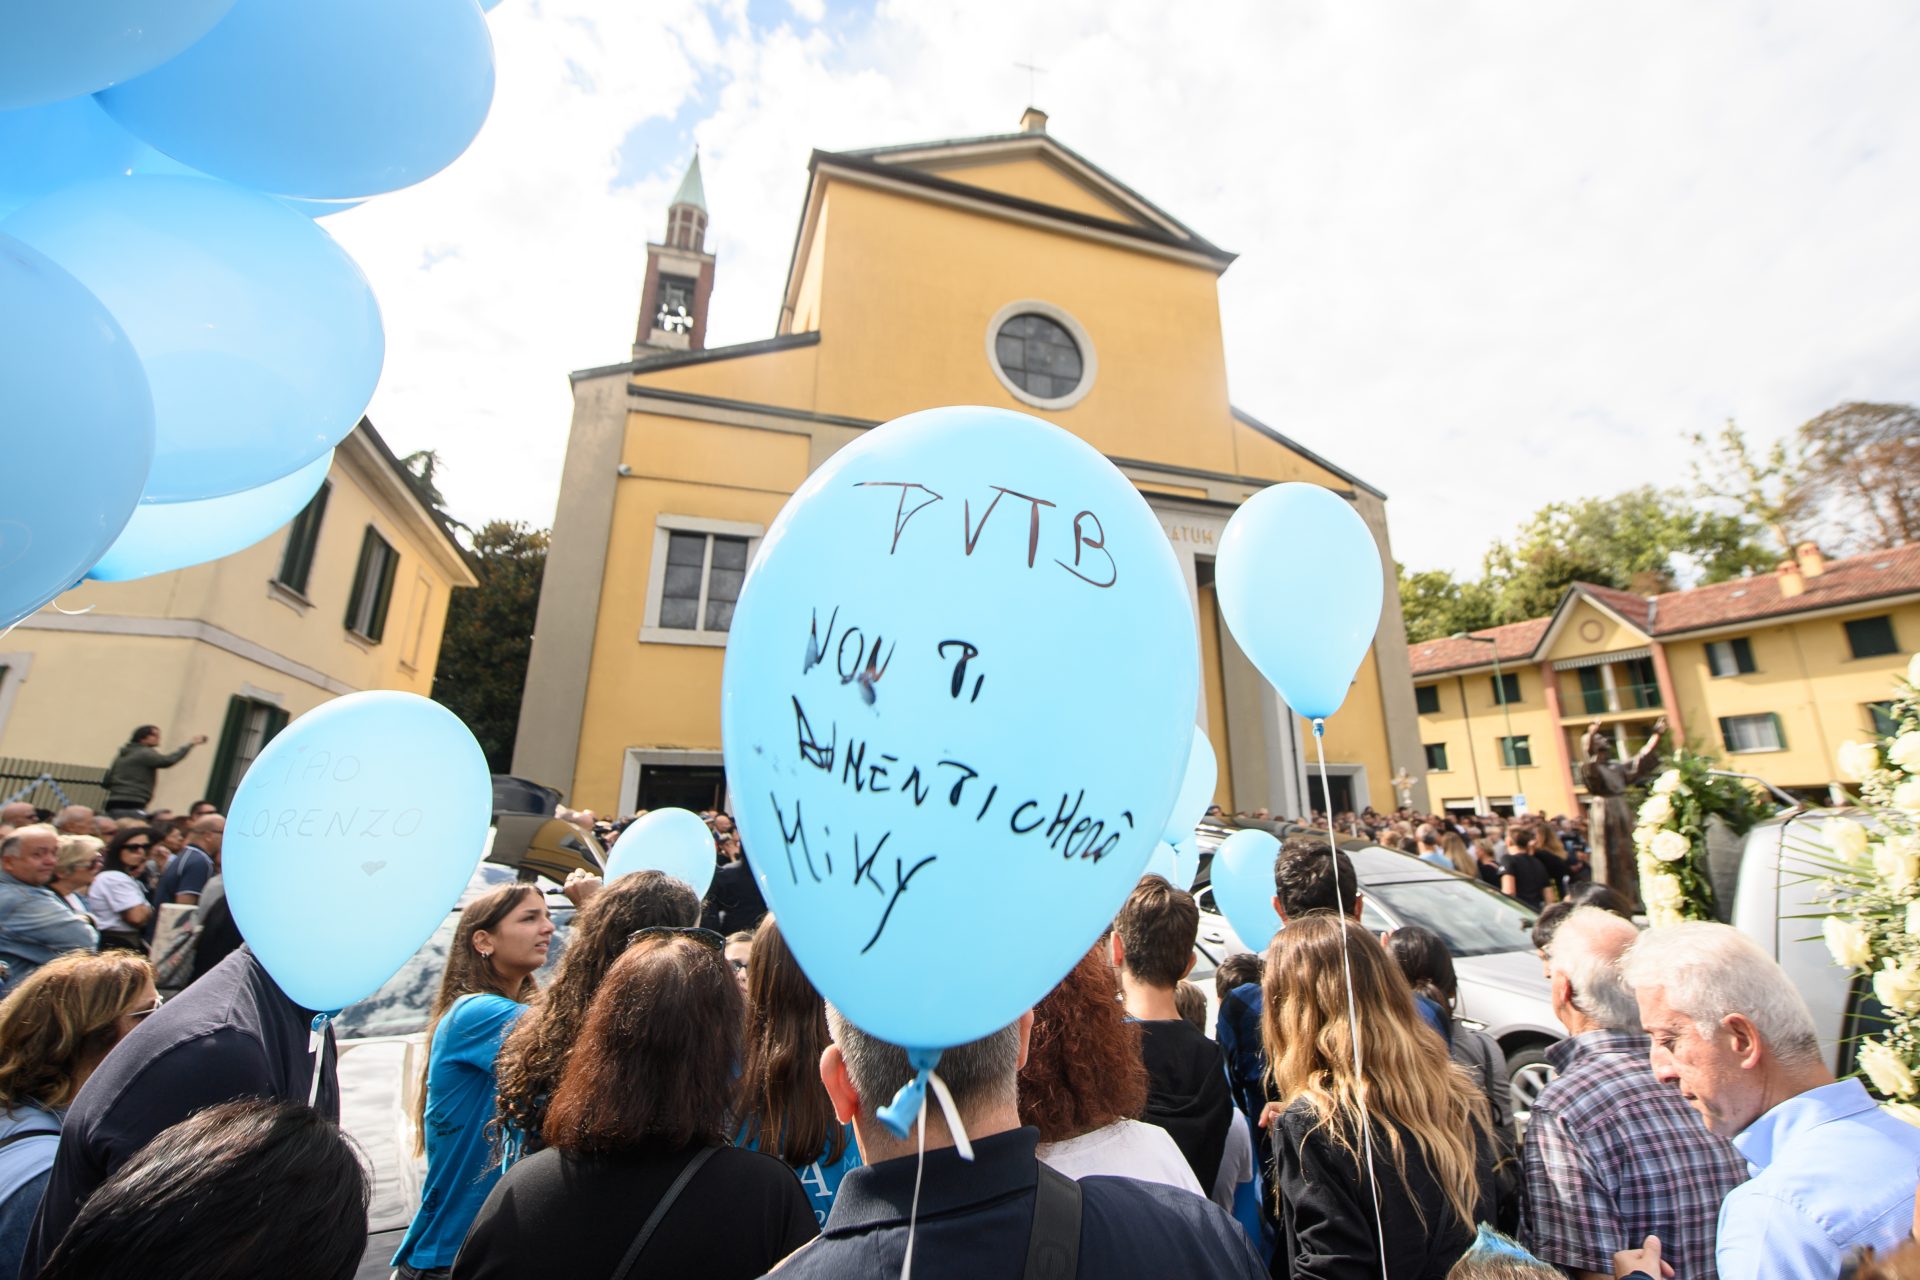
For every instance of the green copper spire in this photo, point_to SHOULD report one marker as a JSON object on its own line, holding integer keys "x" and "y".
{"x": 691, "y": 192}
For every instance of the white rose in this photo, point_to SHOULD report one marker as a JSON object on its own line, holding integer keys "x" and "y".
{"x": 1905, "y": 752}
{"x": 1895, "y": 862}
{"x": 1913, "y": 671}
{"x": 1859, "y": 760}
{"x": 1904, "y": 1111}
{"x": 1907, "y": 795}
{"x": 1898, "y": 987}
{"x": 1658, "y": 916}
{"x": 1671, "y": 846}
{"x": 1656, "y": 812}
{"x": 1846, "y": 838}
{"x": 1667, "y": 783}
{"x": 1883, "y": 1066}
{"x": 1663, "y": 891}
{"x": 1913, "y": 917}
{"x": 1848, "y": 940}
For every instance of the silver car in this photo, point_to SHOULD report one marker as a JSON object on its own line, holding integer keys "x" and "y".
{"x": 1503, "y": 988}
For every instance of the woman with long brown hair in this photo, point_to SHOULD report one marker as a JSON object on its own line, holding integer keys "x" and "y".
{"x": 499, "y": 943}
{"x": 638, "y": 1176}
{"x": 1430, "y": 1178}
{"x": 55, "y": 1028}
{"x": 786, "y": 1110}
{"x": 1458, "y": 855}
{"x": 1084, "y": 1085}
{"x": 534, "y": 1056}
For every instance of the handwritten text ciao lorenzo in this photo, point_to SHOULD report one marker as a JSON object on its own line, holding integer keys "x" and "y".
{"x": 318, "y": 768}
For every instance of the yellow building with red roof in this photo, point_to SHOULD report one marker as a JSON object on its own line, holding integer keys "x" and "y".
{"x": 1770, "y": 672}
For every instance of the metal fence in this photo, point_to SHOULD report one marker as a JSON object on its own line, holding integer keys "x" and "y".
{"x": 48, "y": 784}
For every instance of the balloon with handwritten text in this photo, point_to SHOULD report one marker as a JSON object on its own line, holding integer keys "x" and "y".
{"x": 352, "y": 835}
{"x": 675, "y": 841}
{"x": 1242, "y": 875}
{"x": 958, "y": 701}
{"x": 1301, "y": 587}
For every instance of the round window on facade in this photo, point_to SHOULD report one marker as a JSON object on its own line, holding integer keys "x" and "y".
{"x": 1040, "y": 354}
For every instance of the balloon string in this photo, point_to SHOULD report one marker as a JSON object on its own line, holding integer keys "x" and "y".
{"x": 913, "y": 1214}
{"x": 317, "y": 1046}
{"x": 1353, "y": 1009}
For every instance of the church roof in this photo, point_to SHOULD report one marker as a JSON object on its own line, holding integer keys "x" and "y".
{"x": 691, "y": 191}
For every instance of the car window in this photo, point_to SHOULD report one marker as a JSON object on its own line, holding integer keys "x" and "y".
{"x": 1472, "y": 920}
{"x": 400, "y": 1007}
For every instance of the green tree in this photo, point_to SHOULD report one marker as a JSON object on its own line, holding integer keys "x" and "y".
{"x": 1764, "y": 487}
{"x": 483, "y": 659}
{"x": 1435, "y": 605}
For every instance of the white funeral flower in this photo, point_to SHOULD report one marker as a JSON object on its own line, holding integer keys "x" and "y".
{"x": 1859, "y": 760}
{"x": 1897, "y": 862}
{"x": 1913, "y": 917}
{"x": 1658, "y": 916}
{"x": 1905, "y": 752}
{"x": 1913, "y": 671}
{"x": 1663, "y": 891}
{"x": 1898, "y": 987}
{"x": 1671, "y": 846}
{"x": 1667, "y": 783}
{"x": 1657, "y": 811}
{"x": 1907, "y": 795}
{"x": 1883, "y": 1066}
{"x": 1847, "y": 838}
{"x": 1848, "y": 940}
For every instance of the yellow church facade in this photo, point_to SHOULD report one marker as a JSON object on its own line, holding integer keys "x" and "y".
{"x": 1770, "y": 673}
{"x": 1004, "y": 271}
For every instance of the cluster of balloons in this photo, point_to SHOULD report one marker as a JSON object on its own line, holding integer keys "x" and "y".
{"x": 177, "y": 322}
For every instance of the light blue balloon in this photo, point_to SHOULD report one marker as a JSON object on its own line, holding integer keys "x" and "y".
{"x": 54, "y": 49}
{"x": 261, "y": 338}
{"x": 164, "y": 536}
{"x": 959, "y": 689}
{"x": 1177, "y": 862}
{"x": 147, "y": 160}
{"x": 1242, "y": 876}
{"x": 352, "y": 835}
{"x": 327, "y": 99}
{"x": 78, "y": 425}
{"x": 670, "y": 840}
{"x": 1300, "y": 585}
{"x": 44, "y": 148}
{"x": 1196, "y": 790}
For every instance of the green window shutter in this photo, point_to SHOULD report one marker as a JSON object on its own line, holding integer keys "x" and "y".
{"x": 383, "y": 594}
{"x": 1593, "y": 691}
{"x": 303, "y": 535}
{"x": 276, "y": 721}
{"x": 1743, "y": 656}
{"x": 360, "y": 572}
{"x": 221, "y": 783}
{"x": 1779, "y": 730}
{"x": 1726, "y": 733}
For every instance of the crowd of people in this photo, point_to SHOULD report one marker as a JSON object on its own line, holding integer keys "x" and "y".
{"x": 679, "y": 1099}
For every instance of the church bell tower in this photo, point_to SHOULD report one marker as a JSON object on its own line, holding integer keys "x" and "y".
{"x": 673, "y": 301}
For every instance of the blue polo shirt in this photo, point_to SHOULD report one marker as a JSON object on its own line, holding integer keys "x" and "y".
{"x": 975, "y": 1220}
{"x": 1831, "y": 1171}
{"x": 460, "y": 1092}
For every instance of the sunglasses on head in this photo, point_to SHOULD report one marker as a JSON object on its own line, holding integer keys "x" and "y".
{"x": 138, "y": 1014}
{"x": 705, "y": 937}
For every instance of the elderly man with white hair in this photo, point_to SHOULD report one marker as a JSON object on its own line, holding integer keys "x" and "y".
{"x": 1831, "y": 1170}
{"x": 1612, "y": 1155}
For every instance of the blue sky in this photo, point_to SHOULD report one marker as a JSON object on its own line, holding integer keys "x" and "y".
{"x": 1492, "y": 254}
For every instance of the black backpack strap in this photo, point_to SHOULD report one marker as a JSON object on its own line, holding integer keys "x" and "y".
{"x": 639, "y": 1244}
{"x": 1053, "y": 1245}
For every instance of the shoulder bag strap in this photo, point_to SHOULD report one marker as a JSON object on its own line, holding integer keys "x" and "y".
{"x": 1053, "y": 1245}
{"x": 639, "y": 1244}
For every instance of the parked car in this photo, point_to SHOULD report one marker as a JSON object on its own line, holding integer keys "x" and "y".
{"x": 1503, "y": 988}
{"x": 381, "y": 1038}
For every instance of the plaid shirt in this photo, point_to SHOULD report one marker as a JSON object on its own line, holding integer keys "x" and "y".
{"x": 1613, "y": 1156}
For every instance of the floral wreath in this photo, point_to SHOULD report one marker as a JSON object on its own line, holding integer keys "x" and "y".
{"x": 1869, "y": 875}
{"x": 1670, "y": 835}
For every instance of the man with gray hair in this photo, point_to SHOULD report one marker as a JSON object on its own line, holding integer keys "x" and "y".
{"x": 36, "y": 924}
{"x": 1831, "y": 1170}
{"x": 1611, "y": 1155}
{"x": 75, "y": 820}
{"x": 1004, "y": 1212}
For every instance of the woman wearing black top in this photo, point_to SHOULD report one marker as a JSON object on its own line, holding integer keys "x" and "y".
{"x": 649, "y": 1087}
{"x": 1432, "y": 1167}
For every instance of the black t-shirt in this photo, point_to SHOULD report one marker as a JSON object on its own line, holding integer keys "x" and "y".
{"x": 554, "y": 1214}
{"x": 1187, "y": 1092}
{"x": 1490, "y": 874}
{"x": 233, "y": 1034}
{"x": 1529, "y": 878}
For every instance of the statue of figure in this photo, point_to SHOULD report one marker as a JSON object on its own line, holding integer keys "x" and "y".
{"x": 1609, "y": 816}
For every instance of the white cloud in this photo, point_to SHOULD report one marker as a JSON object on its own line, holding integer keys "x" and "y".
{"x": 1492, "y": 254}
